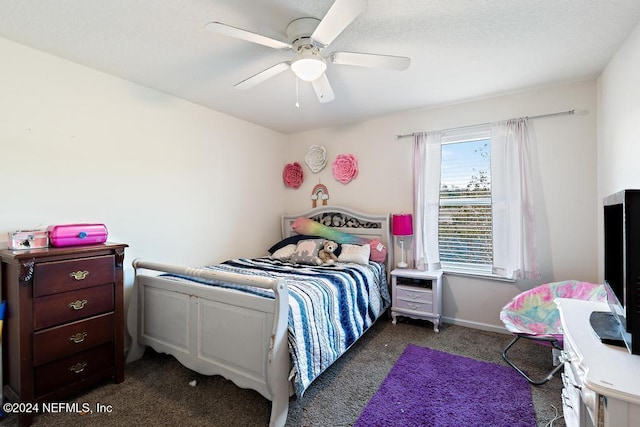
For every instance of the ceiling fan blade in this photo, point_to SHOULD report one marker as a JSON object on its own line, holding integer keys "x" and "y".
{"x": 228, "y": 30}
{"x": 400, "y": 63}
{"x": 340, "y": 14}
{"x": 323, "y": 89}
{"x": 262, "y": 76}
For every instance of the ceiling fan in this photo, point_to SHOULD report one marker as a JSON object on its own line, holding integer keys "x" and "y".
{"x": 308, "y": 37}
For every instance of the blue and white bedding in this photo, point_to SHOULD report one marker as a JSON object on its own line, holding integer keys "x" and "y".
{"x": 330, "y": 307}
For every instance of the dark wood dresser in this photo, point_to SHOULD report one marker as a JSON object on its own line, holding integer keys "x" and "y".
{"x": 64, "y": 321}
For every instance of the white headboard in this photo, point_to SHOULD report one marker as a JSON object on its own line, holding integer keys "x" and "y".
{"x": 350, "y": 221}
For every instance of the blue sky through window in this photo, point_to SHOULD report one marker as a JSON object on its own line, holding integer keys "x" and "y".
{"x": 463, "y": 160}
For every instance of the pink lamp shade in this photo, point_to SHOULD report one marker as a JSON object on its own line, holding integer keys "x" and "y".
{"x": 402, "y": 225}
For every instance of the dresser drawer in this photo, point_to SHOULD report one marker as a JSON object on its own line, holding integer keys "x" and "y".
{"x": 66, "y": 307}
{"x": 63, "y": 276}
{"x": 414, "y": 294}
{"x": 80, "y": 366}
{"x": 422, "y": 307}
{"x": 60, "y": 341}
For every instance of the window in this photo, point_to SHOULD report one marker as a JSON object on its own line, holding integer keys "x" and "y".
{"x": 473, "y": 201}
{"x": 465, "y": 237}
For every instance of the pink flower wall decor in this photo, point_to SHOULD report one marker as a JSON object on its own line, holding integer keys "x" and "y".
{"x": 292, "y": 175}
{"x": 345, "y": 168}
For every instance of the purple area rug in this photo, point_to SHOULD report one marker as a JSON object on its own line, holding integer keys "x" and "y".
{"x": 427, "y": 387}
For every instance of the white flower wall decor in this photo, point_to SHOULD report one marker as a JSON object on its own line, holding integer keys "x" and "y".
{"x": 316, "y": 158}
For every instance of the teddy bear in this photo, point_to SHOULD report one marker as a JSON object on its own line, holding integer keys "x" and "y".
{"x": 326, "y": 254}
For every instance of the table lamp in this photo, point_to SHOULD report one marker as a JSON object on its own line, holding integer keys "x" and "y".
{"x": 402, "y": 225}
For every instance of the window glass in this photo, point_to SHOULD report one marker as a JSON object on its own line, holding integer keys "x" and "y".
{"x": 465, "y": 220}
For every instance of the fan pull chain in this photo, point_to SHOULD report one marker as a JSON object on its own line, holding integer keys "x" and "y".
{"x": 297, "y": 104}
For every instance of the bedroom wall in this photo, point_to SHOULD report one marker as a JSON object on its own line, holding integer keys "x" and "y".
{"x": 73, "y": 140}
{"x": 618, "y": 124}
{"x": 178, "y": 182}
{"x": 565, "y": 184}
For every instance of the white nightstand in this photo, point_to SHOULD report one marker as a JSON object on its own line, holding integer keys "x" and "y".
{"x": 416, "y": 294}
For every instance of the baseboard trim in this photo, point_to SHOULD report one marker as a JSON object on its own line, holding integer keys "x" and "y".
{"x": 476, "y": 325}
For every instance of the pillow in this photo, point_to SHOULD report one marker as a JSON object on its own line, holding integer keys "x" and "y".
{"x": 307, "y": 252}
{"x": 290, "y": 240}
{"x": 358, "y": 254}
{"x": 295, "y": 239}
{"x": 378, "y": 251}
{"x": 309, "y": 227}
{"x": 285, "y": 253}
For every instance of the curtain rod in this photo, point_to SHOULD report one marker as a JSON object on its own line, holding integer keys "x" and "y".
{"x": 540, "y": 116}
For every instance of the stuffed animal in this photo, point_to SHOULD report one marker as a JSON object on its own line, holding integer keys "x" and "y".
{"x": 326, "y": 254}
{"x": 309, "y": 227}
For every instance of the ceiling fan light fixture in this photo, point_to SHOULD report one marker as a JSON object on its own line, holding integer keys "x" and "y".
{"x": 308, "y": 67}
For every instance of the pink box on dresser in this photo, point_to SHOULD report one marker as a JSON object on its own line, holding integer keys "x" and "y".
{"x": 77, "y": 234}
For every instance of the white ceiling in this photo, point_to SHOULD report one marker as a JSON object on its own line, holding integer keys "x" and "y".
{"x": 459, "y": 49}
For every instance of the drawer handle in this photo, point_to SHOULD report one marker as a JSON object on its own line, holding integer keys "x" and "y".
{"x": 79, "y": 275}
{"x": 413, "y": 306}
{"x": 78, "y": 305}
{"x": 414, "y": 296}
{"x": 78, "y": 338}
{"x": 565, "y": 357}
{"x": 566, "y": 400}
{"x": 78, "y": 367}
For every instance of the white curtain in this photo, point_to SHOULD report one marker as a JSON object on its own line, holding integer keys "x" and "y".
{"x": 514, "y": 240}
{"x": 426, "y": 200}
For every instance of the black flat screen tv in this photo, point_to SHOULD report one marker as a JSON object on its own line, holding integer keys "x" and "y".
{"x": 622, "y": 257}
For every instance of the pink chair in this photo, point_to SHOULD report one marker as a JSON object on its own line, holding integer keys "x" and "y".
{"x": 533, "y": 315}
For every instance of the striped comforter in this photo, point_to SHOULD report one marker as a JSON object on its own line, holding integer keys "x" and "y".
{"x": 330, "y": 307}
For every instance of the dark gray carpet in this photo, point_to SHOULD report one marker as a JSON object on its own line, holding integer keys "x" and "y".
{"x": 156, "y": 390}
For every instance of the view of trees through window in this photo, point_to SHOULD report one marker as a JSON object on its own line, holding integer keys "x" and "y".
{"x": 465, "y": 223}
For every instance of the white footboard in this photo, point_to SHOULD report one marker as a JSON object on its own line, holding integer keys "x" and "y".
{"x": 216, "y": 331}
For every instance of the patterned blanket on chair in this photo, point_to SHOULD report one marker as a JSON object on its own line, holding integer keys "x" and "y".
{"x": 533, "y": 312}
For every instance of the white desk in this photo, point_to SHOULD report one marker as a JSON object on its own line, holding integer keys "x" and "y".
{"x": 601, "y": 382}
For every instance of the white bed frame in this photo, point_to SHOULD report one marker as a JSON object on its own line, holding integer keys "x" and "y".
{"x": 218, "y": 331}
